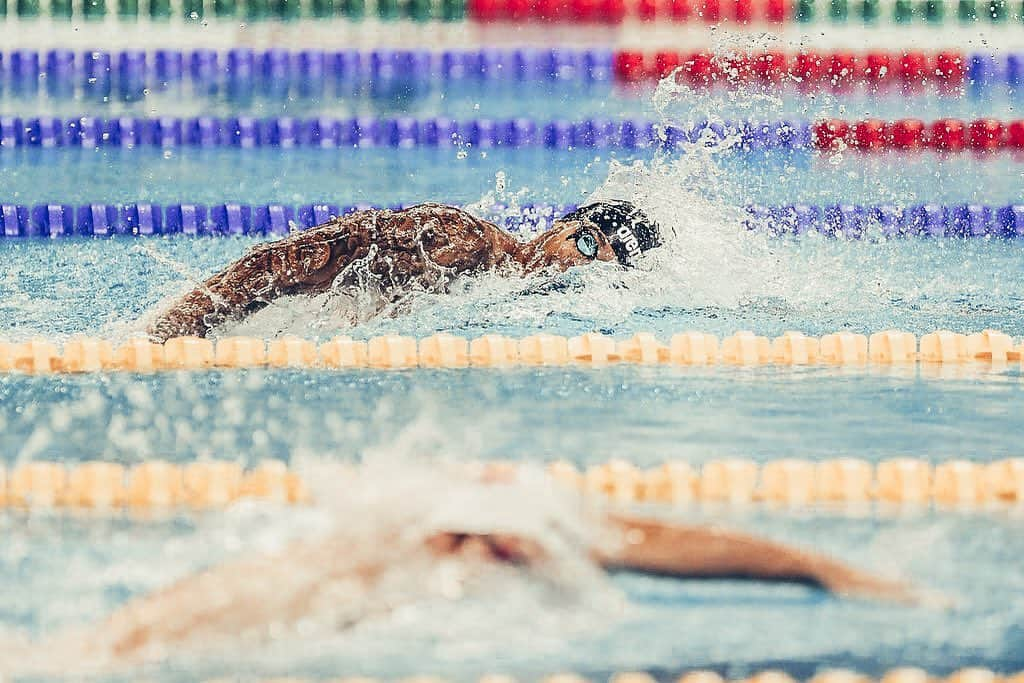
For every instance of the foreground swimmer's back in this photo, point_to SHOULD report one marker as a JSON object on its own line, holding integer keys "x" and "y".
{"x": 393, "y": 253}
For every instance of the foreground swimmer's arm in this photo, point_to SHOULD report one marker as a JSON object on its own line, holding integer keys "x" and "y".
{"x": 700, "y": 551}
{"x": 322, "y": 582}
{"x": 422, "y": 247}
{"x": 327, "y": 584}
{"x": 250, "y": 599}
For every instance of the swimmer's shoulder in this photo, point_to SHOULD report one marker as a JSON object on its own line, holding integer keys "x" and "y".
{"x": 490, "y": 245}
{"x": 427, "y": 212}
{"x": 455, "y": 217}
{"x": 419, "y": 214}
{"x": 442, "y": 212}
{"x": 345, "y": 225}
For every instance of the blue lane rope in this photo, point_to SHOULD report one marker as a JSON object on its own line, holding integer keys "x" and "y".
{"x": 244, "y": 70}
{"x": 404, "y": 132}
{"x": 856, "y": 221}
{"x": 100, "y": 220}
{"x": 143, "y": 219}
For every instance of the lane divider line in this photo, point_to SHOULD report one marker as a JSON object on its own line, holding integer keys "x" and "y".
{"x": 991, "y": 348}
{"x": 838, "y": 70}
{"x": 765, "y": 13}
{"x": 852, "y": 221}
{"x": 240, "y": 71}
{"x": 245, "y": 132}
{"x": 783, "y": 483}
{"x": 943, "y": 135}
{"x": 200, "y": 12}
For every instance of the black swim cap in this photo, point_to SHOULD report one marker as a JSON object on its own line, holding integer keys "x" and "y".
{"x": 629, "y": 230}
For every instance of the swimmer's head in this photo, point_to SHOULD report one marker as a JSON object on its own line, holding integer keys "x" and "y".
{"x": 602, "y": 231}
{"x": 629, "y": 230}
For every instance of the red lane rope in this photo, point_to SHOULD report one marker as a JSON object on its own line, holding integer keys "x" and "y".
{"x": 808, "y": 70}
{"x": 948, "y": 135}
{"x": 615, "y": 11}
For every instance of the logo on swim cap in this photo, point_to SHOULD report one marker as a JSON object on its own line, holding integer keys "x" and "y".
{"x": 627, "y": 228}
{"x": 629, "y": 241}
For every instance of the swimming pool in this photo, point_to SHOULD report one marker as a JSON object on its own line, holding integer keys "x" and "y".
{"x": 717, "y": 275}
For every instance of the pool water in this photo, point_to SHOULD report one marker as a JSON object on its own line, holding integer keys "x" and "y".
{"x": 650, "y": 415}
{"x": 714, "y": 276}
{"x": 657, "y": 414}
{"x": 385, "y": 176}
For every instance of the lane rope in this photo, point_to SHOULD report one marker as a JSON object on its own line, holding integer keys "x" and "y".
{"x": 750, "y": 12}
{"x": 852, "y": 221}
{"x": 200, "y": 220}
{"x": 838, "y": 70}
{"x": 990, "y": 348}
{"x": 765, "y": 14}
{"x": 788, "y": 482}
{"x": 240, "y": 72}
{"x": 196, "y": 12}
{"x": 246, "y": 132}
{"x": 983, "y": 136}
{"x": 943, "y": 135}
{"x": 143, "y": 219}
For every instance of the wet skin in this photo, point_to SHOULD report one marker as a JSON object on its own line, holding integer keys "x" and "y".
{"x": 423, "y": 248}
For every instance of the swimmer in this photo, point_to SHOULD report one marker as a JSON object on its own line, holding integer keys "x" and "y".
{"x": 398, "y": 539}
{"x": 423, "y": 248}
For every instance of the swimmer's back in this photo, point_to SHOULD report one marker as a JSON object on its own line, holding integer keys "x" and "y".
{"x": 414, "y": 239}
{"x": 424, "y": 246}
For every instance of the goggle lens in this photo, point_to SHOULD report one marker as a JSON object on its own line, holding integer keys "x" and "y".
{"x": 587, "y": 244}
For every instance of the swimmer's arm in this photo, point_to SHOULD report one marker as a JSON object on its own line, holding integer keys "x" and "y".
{"x": 230, "y": 599}
{"x": 698, "y": 551}
{"x": 217, "y": 299}
{"x": 264, "y": 273}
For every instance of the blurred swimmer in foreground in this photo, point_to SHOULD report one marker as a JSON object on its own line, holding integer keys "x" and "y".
{"x": 396, "y": 540}
{"x": 391, "y": 254}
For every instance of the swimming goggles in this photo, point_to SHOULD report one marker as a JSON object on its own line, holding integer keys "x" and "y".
{"x": 586, "y": 243}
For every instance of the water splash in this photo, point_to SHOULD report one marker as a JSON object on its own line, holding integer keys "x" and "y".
{"x": 709, "y": 259}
